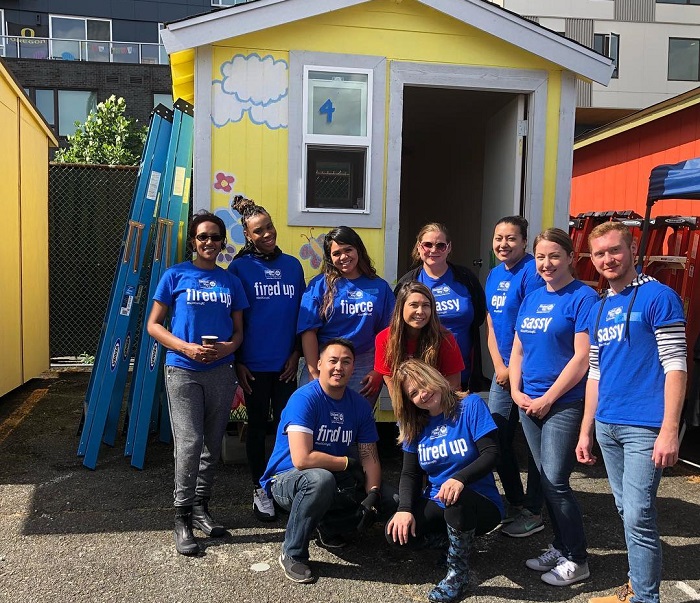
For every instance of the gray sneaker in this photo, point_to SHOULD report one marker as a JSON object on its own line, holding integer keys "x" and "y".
{"x": 527, "y": 524}
{"x": 546, "y": 561}
{"x": 296, "y": 571}
{"x": 512, "y": 513}
{"x": 566, "y": 572}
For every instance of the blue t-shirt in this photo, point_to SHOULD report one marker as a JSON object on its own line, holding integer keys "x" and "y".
{"x": 274, "y": 289}
{"x": 201, "y": 303}
{"x": 336, "y": 424}
{"x": 631, "y": 386}
{"x": 445, "y": 447}
{"x": 361, "y": 308}
{"x": 547, "y": 324}
{"x": 505, "y": 290}
{"x": 455, "y": 310}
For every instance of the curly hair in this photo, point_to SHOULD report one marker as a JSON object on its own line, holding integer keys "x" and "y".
{"x": 429, "y": 338}
{"x": 342, "y": 235}
{"x": 248, "y": 209}
{"x": 411, "y": 419}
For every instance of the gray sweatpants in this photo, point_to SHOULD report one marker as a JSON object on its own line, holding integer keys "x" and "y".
{"x": 200, "y": 406}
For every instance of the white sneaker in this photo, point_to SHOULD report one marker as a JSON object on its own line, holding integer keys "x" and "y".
{"x": 566, "y": 572}
{"x": 263, "y": 507}
{"x": 546, "y": 561}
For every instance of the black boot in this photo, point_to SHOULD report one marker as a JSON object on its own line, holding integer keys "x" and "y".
{"x": 454, "y": 585}
{"x": 185, "y": 542}
{"x": 203, "y": 521}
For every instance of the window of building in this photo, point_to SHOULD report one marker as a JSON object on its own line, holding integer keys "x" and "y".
{"x": 678, "y": 2}
{"x": 163, "y": 99}
{"x": 2, "y": 33}
{"x": 684, "y": 59}
{"x": 608, "y": 45}
{"x": 62, "y": 108}
{"x": 79, "y": 38}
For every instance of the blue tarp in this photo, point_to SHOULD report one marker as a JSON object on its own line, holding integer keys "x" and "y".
{"x": 677, "y": 181}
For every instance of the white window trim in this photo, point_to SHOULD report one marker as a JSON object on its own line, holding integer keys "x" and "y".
{"x": 2, "y": 32}
{"x": 372, "y": 215}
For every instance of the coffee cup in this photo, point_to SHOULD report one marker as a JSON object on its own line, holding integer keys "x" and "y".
{"x": 209, "y": 340}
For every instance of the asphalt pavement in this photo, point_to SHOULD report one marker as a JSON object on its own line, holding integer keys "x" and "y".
{"x": 71, "y": 534}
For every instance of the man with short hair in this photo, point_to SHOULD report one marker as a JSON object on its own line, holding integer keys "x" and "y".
{"x": 634, "y": 398}
{"x": 312, "y": 473}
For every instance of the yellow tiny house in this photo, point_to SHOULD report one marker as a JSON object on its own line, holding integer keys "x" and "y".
{"x": 24, "y": 315}
{"x": 381, "y": 115}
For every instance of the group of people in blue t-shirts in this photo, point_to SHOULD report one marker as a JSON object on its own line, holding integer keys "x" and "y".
{"x": 347, "y": 334}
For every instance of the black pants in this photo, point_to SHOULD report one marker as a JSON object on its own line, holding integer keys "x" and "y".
{"x": 472, "y": 511}
{"x": 267, "y": 389}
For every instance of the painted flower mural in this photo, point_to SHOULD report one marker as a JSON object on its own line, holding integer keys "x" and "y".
{"x": 224, "y": 182}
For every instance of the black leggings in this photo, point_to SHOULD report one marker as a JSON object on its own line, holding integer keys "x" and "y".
{"x": 267, "y": 388}
{"x": 472, "y": 511}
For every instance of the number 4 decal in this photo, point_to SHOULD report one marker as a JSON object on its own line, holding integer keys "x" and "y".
{"x": 328, "y": 109}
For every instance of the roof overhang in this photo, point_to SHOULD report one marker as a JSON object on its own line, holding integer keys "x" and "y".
{"x": 490, "y": 18}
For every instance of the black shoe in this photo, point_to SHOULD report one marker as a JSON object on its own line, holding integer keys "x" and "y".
{"x": 296, "y": 571}
{"x": 185, "y": 542}
{"x": 331, "y": 541}
{"x": 203, "y": 521}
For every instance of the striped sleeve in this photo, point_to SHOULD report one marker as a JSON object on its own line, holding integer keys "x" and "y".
{"x": 593, "y": 366}
{"x": 672, "y": 347}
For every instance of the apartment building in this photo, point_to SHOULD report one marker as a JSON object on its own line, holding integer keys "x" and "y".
{"x": 71, "y": 54}
{"x": 655, "y": 45}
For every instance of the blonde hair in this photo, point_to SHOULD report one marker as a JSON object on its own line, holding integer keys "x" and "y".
{"x": 411, "y": 419}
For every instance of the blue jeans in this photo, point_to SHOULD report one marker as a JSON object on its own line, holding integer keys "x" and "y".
{"x": 634, "y": 481}
{"x": 505, "y": 414}
{"x": 552, "y": 441}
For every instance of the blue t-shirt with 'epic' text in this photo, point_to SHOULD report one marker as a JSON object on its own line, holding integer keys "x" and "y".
{"x": 505, "y": 290}
{"x": 445, "y": 446}
{"x": 361, "y": 308}
{"x": 274, "y": 289}
{"x": 201, "y": 303}
{"x": 335, "y": 425}
{"x": 546, "y": 326}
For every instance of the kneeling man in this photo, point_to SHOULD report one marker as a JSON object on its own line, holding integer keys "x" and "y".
{"x": 312, "y": 472}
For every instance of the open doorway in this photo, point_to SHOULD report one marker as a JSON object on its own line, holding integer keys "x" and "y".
{"x": 462, "y": 160}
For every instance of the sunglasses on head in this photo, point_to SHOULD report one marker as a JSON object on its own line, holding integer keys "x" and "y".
{"x": 438, "y": 246}
{"x": 203, "y": 238}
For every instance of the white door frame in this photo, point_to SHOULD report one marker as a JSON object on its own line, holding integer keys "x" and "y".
{"x": 521, "y": 81}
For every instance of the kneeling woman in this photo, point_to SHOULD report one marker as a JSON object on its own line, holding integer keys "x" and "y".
{"x": 451, "y": 437}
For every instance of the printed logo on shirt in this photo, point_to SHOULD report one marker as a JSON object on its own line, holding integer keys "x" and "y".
{"x": 447, "y": 305}
{"x": 357, "y": 294}
{"x": 328, "y": 435}
{"x": 273, "y": 274}
{"x": 439, "y": 432}
{"x": 198, "y": 297}
{"x": 430, "y": 454}
{"x": 615, "y": 314}
{"x": 441, "y": 290}
{"x": 205, "y": 283}
{"x": 363, "y": 308}
{"x": 532, "y": 325}
{"x": 545, "y": 308}
{"x": 611, "y": 334}
{"x": 337, "y": 417}
{"x": 498, "y": 301}
{"x": 503, "y": 286}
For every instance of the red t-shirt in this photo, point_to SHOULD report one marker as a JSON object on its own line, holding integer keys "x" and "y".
{"x": 449, "y": 357}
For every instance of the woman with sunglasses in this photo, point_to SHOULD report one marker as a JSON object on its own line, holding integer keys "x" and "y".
{"x": 266, "y": 364}
{"x": 205, "y": 304}
{"x": 449, "y": 441}
{"x": 547, "y": 374}
{"x": 506, "y": 286}
{"x": 416, "y": 332}
{"x": 459, "y": 297}
{"x": 346, "y": 300}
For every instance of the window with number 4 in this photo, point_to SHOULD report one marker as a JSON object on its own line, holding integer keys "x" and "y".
{"x": 336, "y": 139}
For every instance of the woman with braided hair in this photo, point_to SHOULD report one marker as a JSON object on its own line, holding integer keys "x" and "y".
{"x": 268, "y": 360}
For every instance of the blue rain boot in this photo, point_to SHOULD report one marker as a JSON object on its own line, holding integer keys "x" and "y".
{"x": 454, "y": 585}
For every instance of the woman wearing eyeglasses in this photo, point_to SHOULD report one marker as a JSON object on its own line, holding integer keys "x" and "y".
{"x": 205, "y": 305}
{"x": 459, "y": 297}
{"x": 268, "y": 360}
{"x": 347, "y": 300}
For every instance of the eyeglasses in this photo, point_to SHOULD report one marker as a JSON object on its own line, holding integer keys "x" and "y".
{"x": 203, "y": 238}
{"x": 439, "y": 247}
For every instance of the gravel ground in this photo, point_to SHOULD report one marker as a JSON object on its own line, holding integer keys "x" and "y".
{"x": 71, "y": 534}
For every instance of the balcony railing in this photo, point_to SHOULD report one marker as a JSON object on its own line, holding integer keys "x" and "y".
{"x": 20, "y": 47}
